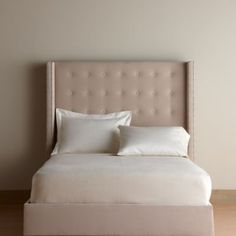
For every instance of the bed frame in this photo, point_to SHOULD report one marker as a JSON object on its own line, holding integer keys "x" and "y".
{"x": 158, "y": 93}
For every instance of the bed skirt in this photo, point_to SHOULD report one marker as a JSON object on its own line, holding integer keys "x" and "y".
{"x": 117, "y": 219}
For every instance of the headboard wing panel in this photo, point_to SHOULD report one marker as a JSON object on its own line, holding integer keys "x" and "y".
{"x": 158, "y": 93}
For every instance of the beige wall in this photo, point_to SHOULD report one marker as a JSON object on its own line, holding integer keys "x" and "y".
{"x": 32, "y": 32}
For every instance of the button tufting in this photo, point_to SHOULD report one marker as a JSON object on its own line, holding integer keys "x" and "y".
{"x": 152, "y": 73}
{"x": 85, "y": 93}
{"x": 119, "y": 93}
{"x": 154, "y": 93}
{"x": 104, "y": 93}
{"x": 154, "y": 111}
{"x": 123, "y": 74}
{"x": 170, "y": 74}
{"x": 69, "y": 74}
{"x": 138, "y": 93}
{"x": 88, "y": 92}
{"x": 85, "y": 74}
{"x": 103, "y": 74}
{"x": 123, "y": 93}
{"x": 139, "y": 111}
{"x": 73, "y": 74}
{"x": 70, "y": 92}
{"x": 140, "y": 74}
{"x": 118, "y": 74}
{"x": 168, "y": 92}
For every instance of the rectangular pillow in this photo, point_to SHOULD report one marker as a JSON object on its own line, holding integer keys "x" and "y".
{"x": 161, "y": 141}
{"x": 85, "y": 133}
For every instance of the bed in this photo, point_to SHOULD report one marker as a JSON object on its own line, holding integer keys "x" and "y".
{"x": 158, "y": 94}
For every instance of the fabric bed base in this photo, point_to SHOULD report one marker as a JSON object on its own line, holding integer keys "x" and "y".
{"x": 117, "y": 219}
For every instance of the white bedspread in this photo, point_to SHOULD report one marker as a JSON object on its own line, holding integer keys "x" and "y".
{"x": 70, "y": 178}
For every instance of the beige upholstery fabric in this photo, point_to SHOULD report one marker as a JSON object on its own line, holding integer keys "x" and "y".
{"x": 158, "y": 93}
{"x": 123, "y": 219}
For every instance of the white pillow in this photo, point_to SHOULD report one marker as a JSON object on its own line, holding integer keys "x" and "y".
{"x": 161, "y": 141}
{"x": 85, "y": 133}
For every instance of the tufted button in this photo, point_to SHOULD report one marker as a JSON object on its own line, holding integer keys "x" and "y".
{"x": 89, "y": 74}
{"x": 154, "y": 93}
{"x": 104, "y": 93}
{"x": 85, "y": 73}
{"x": 138, "y": 93}
{"x": 118, "y": 74}
{"x": 140, "y": 74}
{"x": 172, "y": 74}
{"x": 85, "y": 93}
{"x": 139, "y": 111}
{"x": 73, "y": 74}
{"x": 69, "y": 75}
{"x": 122, "y": 74}
{"x": 104, "y": 74}
{"x": 69, "y": 92}
{"x": 154, "y": 111}
{"x": 103, "y": 110}
{"x": 170, "y": 93}
{"x": 151, "y": 73}
{"x": 118, "y": 93}
{"x": 123, "y": 93}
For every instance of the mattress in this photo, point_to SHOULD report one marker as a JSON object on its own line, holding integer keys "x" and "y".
{"x": 106, "y": 179}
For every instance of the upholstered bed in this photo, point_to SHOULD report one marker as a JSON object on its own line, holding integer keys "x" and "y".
{"x": 158, "y": 94}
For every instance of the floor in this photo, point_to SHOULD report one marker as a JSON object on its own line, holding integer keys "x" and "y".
{"x": 11, "y": 217}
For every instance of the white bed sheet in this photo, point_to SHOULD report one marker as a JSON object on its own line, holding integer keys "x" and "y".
{"x": 106, "y": 179}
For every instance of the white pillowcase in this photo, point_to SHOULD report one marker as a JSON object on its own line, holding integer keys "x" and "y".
{"x": 161, "y": 141}
{"x": 85, "y": 133}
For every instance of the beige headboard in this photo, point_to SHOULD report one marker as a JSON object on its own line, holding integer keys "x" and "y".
{"x": 158, "y": 93}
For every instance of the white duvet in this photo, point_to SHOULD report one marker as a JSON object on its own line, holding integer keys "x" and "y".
{"x": 104, "y": 179}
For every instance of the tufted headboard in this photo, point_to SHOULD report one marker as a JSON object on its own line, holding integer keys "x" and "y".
{"x": 158, "y": 93}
